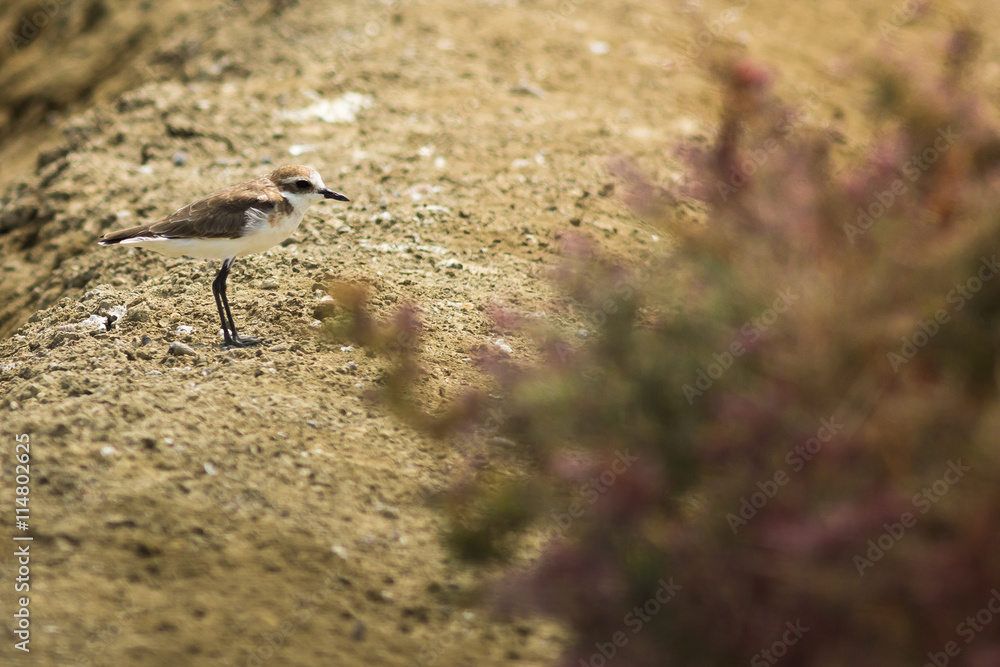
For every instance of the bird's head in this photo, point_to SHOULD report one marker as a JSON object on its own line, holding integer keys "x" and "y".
{"x": 302, "y": 186}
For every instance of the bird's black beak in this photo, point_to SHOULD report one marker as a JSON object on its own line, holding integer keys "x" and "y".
{"x": 330, "y": 194}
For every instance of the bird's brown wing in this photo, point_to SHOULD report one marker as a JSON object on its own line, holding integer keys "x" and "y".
{"x": 222, "y": 214}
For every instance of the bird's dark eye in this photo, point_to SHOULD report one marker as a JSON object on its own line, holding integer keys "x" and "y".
{"x": 303, "y": 184}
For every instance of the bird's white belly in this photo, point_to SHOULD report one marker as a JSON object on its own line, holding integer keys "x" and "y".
{"x": 261, "y": 235}
{"x": 258, "y": 236}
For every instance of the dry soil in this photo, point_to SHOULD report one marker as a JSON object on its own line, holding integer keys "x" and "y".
{"x": 251, "y": 506}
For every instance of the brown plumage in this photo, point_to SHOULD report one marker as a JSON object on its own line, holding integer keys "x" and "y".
{"x": 222, "y": 214}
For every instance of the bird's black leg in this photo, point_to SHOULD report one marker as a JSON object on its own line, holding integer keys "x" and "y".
{"x": 218, "y": 287}
{"x": 235, "y": 339}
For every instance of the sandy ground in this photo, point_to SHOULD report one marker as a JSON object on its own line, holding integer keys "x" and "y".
{"x": 251, "y": 506}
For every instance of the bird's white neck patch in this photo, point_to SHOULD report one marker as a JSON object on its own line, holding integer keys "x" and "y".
{"x": 300, "y": 202}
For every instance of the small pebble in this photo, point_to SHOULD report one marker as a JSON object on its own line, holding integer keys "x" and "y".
{"x": 209, "y": 469}
{"x": 525, "y": 87}
{"x": 269, "y": 284}
{"x": 179, "y": 158}
{"x": 387, "y": 511}
{"x": 179, "y": 349}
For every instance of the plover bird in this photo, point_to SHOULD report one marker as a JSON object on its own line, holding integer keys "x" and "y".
{"x": 246, "y": 218}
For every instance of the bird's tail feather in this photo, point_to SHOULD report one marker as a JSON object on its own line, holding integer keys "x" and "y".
{"x": 111, "y": 238}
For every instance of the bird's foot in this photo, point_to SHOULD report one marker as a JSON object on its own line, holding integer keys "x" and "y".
{"x": 235, "y": 340}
